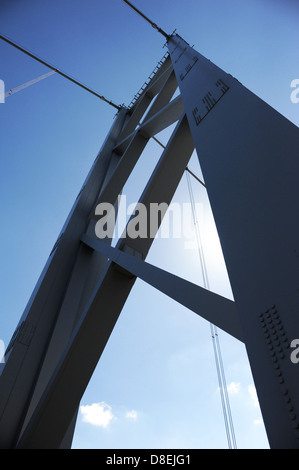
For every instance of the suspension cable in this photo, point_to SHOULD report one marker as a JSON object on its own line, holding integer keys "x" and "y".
{"x": 227, "y": 415}
{"x": 196, "y": 177}
{"x": 230, "y": 418}
{"x": 187, "y": 169}
{"x": 68, "y": 77}
{"x": 198, "y": 237}
{"x": 167, "y": 36}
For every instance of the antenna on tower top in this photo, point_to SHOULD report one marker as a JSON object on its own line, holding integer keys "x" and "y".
{"x": 167, "y": 36}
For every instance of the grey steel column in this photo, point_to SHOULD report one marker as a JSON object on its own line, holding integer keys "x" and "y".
{"x": 145, "y": 99}
{"x": 28, "y": 348}
{"x": 248, "y": 153}
{"x": 66, "y": 285}
{"x": 67, "y": 385}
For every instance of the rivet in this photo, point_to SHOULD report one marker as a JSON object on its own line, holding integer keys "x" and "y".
{"x": 284, "y": 390}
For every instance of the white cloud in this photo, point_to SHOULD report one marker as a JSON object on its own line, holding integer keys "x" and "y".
{"x": 253, "y": 395}
{"x": 132, "y": 415}
{"x": 233, "y": 388}
{"x": 97, "y": 414}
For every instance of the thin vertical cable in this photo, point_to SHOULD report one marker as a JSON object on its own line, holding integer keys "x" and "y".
{"x": 221, "y": 385}
{"x": 197, "y": 234}
{"x": 232, "y": 431}
{"x": 227, "y": 415}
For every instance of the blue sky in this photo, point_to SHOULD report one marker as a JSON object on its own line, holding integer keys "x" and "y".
{"x": 156, "y": 384}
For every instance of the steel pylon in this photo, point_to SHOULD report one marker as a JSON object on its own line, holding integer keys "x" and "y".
{"x": 248, "y": 155}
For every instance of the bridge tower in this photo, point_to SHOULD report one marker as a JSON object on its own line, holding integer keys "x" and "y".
{"x": 248, "y": 153}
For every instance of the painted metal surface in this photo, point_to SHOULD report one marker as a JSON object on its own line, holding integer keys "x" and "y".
{"x": 248, "y": 153}
{"x": 26, "y": 352}
{"x": 213, "y": 307}
{"x": 61, "y": 398}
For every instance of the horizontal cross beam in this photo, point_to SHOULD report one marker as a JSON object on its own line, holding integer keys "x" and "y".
{"x": 210, "y": 306}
